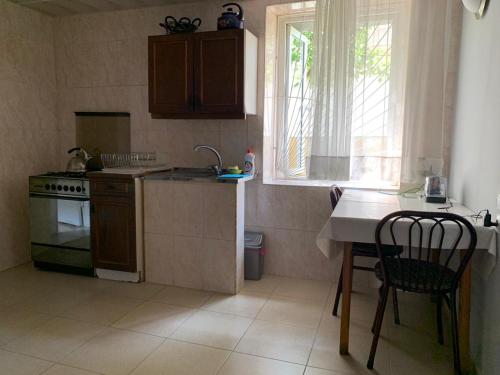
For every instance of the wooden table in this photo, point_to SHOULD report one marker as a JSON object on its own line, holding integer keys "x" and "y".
{"x": 354, "y": 220}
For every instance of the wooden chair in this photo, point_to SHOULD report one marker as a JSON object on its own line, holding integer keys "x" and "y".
{"x": 360, "y": 249}
{"x": 431, "y": 241}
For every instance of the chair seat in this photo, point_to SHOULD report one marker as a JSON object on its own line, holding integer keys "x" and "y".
{"x": 361, "y": 249}
{"x": 427, "y": 278}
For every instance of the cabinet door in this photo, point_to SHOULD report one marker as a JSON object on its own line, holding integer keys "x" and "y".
{"x": 171, "y": 74}
{"x": 113, "y": 233}
{"x": 219, "y": 72}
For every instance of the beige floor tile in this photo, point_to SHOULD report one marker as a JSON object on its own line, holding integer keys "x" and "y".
{"x": 55, "y": 339}
{"x": 424, "y": 358}
{"x": 182, "y": 358}
{"x": 304, "y": 289}
{"x": 101, "y": 308}
{"x": 182, "y": 296}
{"x": 416, "y": 352}
{"x": 155, "y": 318}
{"x": 292, "y": 311}
{"x": 325, "y": 354}
{"x": 213, "y": 329}
{"x": 243, "y": 364}
{"x": 319, "y": 371}
{"x": 113, "y": 352}
{"x": 16, "y": 294}
{"x": 17, "y": 322}
{"x": 143, "y": 291}
{"x": 267, "y": 285}
{"x": 18, "y": 364}
{"x": 278, "y": 341}
{"x": 66, "y": 370}
{"x": 29, "y": 296}
{"x": 243, "y": 304}
{"x": 56, "y": 299}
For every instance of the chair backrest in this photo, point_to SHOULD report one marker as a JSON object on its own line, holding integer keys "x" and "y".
{"x": 432, "y": 243}
{"x": 335, "y": 194}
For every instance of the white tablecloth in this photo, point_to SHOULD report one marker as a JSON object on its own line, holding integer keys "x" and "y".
{"x": 358, "y": 212}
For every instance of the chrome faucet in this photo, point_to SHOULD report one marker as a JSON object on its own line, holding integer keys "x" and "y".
{"x": 216, "y": 168}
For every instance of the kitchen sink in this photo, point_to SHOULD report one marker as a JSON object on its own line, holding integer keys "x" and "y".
{"x": 186, "y": 174}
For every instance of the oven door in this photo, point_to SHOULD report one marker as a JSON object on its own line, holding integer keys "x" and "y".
{"x": 60, "y": 230}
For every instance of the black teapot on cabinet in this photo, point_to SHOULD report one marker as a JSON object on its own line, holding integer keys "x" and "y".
{"x": 230, "y": 19}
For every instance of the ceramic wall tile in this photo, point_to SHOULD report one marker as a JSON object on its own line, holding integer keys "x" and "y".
{"x": 188, "y": 207}
{"x": 159, "y": 258}
{"x": 319, "y": 207}
{"x": 293, "y": 253}
{"x": 188, "y": 257}
{"x": 289, "y": 206}
{"x": 28, "y": 122}
{"x": 234, "y": 141}
{"x": 219, "y": 265}
{"x": 219, "y": 213}
{"x": 159, "y": 214}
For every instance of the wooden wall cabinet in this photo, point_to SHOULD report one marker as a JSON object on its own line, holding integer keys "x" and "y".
{"x": 113, "y": 223}
{"x": 203, "y": 75}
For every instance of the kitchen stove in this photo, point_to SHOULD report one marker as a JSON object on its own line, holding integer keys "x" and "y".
{"x": 60, "y": 183}
{"x": 60, "y": 221}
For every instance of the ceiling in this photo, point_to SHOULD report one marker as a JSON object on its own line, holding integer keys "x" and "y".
{"x": 69, "y": 7}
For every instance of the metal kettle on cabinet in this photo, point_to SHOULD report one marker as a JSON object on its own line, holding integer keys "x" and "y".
{"x": 230, "y": 19}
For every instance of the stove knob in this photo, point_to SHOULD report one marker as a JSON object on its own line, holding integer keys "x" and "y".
{"x": 59, "y": 187}
{"x": 53, "y": 187}
{"x": 47, "y": 187}
{"x": 72, "y": 188}
{"x": 65, "y": 188}
{"x": 78, "y": 189}
{"x": 83, "y": 189}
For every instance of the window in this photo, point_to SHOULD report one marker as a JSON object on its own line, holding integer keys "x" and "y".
{"x": 295, "y": 114}
{"x": 375, "y": 134}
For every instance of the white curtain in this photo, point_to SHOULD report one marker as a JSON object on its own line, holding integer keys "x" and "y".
{"x": 383, "y": 81}
{"x": 434, "y": 34}
{"x": 332, "y": 79}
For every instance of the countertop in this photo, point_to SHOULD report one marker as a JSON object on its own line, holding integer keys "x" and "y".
{"x": 128, "y": 172}
{"x": 161, "y": 177}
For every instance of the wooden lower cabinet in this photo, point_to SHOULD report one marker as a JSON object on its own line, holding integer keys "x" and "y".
{"x": 113, "y": 225}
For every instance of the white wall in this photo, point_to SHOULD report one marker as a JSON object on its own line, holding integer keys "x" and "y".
{"x": 475, "y": 172}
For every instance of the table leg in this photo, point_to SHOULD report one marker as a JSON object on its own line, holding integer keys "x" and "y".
{"x": 464, "y": 318}
{"x": 346, "y": 299}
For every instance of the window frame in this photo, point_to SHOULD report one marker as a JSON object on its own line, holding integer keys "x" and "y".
{"x": 282, "y": 81}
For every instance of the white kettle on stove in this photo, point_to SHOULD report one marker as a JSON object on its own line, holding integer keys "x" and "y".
{"x": 78, "y": 163}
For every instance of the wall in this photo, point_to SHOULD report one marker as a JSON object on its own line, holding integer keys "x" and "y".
{"x": 101, "y": 64}
{"x": 475, "y": 173}
{"x": 28, "y": 132}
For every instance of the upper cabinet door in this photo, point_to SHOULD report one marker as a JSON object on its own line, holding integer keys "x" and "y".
{"x": 171, "y": 74}
{"x": 219, "y": 73}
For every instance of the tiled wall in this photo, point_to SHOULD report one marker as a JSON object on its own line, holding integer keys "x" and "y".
{"x": 191, "y": 234}
{"x": 101, "y": 62}
{"x": 28, "y": 132}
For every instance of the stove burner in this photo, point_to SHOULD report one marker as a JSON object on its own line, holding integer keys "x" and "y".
{"x": 66, "y": 174}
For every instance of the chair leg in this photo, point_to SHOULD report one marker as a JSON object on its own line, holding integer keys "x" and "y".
{"x": 380, "y": 292}
{"x": 439, "y": 319}
{"x": 454, "y": 330}
{"x": 379, "y": 318}
{"x": 339, "y": 292}
{"x": 396, "y": 305}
